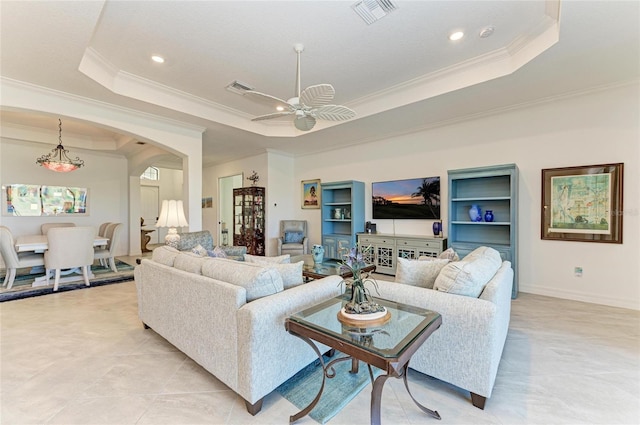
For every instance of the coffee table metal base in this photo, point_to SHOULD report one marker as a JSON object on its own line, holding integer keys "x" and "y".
{"x": 376, "y": 392}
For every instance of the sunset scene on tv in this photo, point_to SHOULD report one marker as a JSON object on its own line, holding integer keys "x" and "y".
{"x": 411, "y": 199}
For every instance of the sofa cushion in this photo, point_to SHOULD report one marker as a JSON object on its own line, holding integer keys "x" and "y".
{"x": 291, "y": 273}
{"x": 258, "y": 281}
{"x": 469, "y": 275}
{"x": 165, "y": 254}
{"x": 282, "y": 259}
{"x": 419, "y": 273}
{"x": 293, "y": 237}
{"x": 190, "y": 240}
{"x": 189, "y": 262}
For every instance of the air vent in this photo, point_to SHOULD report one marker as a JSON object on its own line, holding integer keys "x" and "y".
{"x": 372, "y": 10}
{"x": 239, "y": 87}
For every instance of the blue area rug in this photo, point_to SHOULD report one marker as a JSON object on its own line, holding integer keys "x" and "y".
{"x": 302, "y": 388}
{"x": 22, "y": 284}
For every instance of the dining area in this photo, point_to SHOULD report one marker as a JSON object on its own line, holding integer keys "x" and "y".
{"x": 61, "y": 252}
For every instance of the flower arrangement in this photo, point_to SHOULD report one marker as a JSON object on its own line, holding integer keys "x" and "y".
{"x": 360, "y": 301}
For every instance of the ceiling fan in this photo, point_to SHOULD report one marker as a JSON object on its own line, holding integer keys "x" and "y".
{"x": 306, "y": 106}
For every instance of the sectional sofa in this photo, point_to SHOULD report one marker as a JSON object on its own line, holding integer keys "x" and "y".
{"x": 228, "y": 316}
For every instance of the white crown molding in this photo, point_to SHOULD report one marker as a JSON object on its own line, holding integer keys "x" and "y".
{"x": 495, "y": 64}
{"x": 15, "y": 89}
{"x": 484, "y": 114}
{"x": 99, "y": 69}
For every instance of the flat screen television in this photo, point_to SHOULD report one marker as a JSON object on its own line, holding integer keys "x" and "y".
{"x": 406, "y": 199}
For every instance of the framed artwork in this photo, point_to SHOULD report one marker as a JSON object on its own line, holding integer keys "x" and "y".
{"x": 582, "y": 204}
{"x": 311, "y": 194}
{"x": 34, "y": 200}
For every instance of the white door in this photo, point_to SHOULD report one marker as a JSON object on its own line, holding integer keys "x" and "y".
{"x": 149, "y": 206}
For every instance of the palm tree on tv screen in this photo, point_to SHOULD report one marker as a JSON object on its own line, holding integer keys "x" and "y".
{"x": 429, "y": 190}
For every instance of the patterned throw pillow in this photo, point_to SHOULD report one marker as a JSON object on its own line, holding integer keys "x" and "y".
{"x": 200, "y": 250}
{"x": 293, "y": 237}
{"x": 217, "y": 252}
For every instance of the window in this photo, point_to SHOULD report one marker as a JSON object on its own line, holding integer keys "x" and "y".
{"x": 151, "y": 173}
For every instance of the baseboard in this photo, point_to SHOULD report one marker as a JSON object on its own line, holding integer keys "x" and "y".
{"x": 577, "y": 296}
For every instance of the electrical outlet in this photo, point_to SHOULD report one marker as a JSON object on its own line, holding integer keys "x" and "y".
{"x": 577, "y": 271}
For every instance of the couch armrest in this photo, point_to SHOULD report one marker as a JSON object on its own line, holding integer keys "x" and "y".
{"x": 267, "y": 354}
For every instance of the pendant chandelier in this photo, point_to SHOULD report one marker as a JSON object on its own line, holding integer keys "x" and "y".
{"x": 58, "y": 160}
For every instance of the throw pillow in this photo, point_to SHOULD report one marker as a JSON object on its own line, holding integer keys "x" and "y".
{"x": 257, "y": 281}
{"x": 291, "y": 273}
{"x": 282, "y": 259}
{"x": 189, "y": 262}
{"x": 293, "y": 237}
{"x": 419, "y": 273}
{"x": 217, "y": 252}
{"x": 470, "y": 275}
{"x": 449, "y": 254}
{"x": 200, "y": 250}
{"x": 165, "y": 254}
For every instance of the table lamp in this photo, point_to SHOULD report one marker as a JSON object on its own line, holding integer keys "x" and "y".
{"x": 172, "y": 216}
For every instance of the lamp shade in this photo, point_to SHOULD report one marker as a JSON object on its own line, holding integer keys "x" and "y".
{"x": 172, "y": 214}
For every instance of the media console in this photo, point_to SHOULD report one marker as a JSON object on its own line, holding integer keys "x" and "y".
{"x": 386, "y": 248}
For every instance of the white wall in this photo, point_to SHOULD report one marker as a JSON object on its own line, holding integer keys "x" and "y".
{"x": 104, "y": 175}
{"x": 595, "y": 128}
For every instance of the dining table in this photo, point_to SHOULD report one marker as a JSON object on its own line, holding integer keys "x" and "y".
{"x": 39, "y": 243}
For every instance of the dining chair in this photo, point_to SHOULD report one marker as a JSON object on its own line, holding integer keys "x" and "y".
{"x": 107, "y": 254}
{"x": 44, "y": 228}
{"x": 69, "y": 248}
{"x": 14, "y": 260}
{"x": 102, "y": 230}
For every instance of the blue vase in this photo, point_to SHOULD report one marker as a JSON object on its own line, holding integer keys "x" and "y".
{"x": 475, "y": 213}
{"x": 318, "y": 253}
{"x": 488, "y": 216}
{"x": 437, "y": 228}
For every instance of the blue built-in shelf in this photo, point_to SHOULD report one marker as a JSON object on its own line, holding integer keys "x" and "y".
{"x": 492, "y": 188}
{"x": 339, "y": 232}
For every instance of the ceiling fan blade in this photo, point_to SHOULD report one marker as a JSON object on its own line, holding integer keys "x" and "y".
{"x": 271, "y": 116}
{"x": 267, "y": 99}
{"x": 317, "y": 95}
{"x": 333, "y": 113}
{"x": 304, "y": 123}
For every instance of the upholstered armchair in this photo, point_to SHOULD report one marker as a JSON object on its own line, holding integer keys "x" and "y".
{"x": 293, "y": 237}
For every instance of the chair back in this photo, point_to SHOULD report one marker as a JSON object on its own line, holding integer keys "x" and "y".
{"x": 102, "y": 230}
{"x": 44, "y": 228}
{"x": 8, "y": 249}
{"x": 69, "y": 247}
{"x": 291, "y": 226}
{"x": 113, "y": 233}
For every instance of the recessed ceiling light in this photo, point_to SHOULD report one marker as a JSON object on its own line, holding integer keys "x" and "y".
{"x": 456, "y": 36}
{"x": 280, "y": 108}
{"x": 158, "y": 59}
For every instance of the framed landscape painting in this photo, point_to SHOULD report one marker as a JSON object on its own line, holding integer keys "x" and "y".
{"x": 311, "y": 194}
{"x": 583, "y": 203}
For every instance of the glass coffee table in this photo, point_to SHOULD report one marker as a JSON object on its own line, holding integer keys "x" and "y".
{"x": 328, "y": 267}
{"x": 387, "y": 345}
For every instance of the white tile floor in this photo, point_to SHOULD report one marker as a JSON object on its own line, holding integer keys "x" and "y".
{"x": 83, "y": 357}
